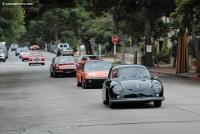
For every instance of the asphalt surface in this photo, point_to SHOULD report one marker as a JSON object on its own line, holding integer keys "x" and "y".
{"x": 31, "y": 102}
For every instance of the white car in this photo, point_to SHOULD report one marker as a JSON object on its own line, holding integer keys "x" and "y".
{"x": 23, "y": 51}
{"x": 2, "y": 55}
{"x": 61, "y": 46}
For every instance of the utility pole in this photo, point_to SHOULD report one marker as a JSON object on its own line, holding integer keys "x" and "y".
{"x": 123, "y": 50}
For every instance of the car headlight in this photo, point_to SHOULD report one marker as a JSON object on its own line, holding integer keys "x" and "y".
{"x": 157, "y": 88}
{"x": 117, "y": 89}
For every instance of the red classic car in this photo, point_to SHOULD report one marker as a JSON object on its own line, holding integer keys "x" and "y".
{"x": 62, "y": 65}
{"x": 36, "y": 58}
{"x": 35, "y": 47}
{"x": 25, "y": 56}
{"x": 88, "y": 58}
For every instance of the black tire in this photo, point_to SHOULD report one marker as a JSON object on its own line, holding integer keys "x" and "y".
{"x": 78, "y": 84}
{"x": 43, "y": 63}
{"x": 51, "y": 74}
{"x": 4, "y": 60}
{"x": 29, "y": 64}
{"x": 106, "y": 101}
{"x": 111, "y": 105}
{"x": 84, "y": 85}
{"x": 22, "y": 60}
{"x": 55, "y": 75}
{"x": 157, "y": 103}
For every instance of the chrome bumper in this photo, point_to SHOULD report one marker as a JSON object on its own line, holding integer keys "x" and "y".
{"x": 139, "y": 99}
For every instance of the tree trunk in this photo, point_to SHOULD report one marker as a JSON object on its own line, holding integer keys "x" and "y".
{"x": 123, "y": 50}
{"x": 194, "y": 42}
{"x": 198, "y": 65}
{"x": 87, "y": 44}
{"x": 56, "y": 35}
{"x": 148, "y": 47}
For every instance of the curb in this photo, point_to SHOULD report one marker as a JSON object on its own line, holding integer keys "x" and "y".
{"x": 176, "y": 75}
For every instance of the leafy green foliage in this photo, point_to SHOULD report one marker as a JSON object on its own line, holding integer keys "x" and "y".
{"x": 11, "y": 22}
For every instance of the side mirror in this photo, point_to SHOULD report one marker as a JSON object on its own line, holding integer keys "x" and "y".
{"x": 154, "y": 77}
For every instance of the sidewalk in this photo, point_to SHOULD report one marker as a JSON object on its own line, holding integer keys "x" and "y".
{"x": 169, "y": 70}
{"x": 172, "y": 71}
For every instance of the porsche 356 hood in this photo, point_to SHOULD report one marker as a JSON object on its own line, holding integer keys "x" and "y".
{"x": 135, "y": 85}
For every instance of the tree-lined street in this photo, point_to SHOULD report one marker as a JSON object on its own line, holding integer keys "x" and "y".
{"x": 33, "y": 102}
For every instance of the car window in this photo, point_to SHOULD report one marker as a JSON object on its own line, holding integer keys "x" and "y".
{"x": 115, "y": 73}
{"x": 64, "y": 59}
{"x": 36, "y": 54}
{"x": 97, "y": 66}
{"x": 134, "y": 72}
{"x": 61, "y": 45}
{"x": 65, "y": 45}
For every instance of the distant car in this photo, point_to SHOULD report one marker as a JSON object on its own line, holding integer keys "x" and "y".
{"x": 92, "y": 74}
{"x": 68, "y": 51}
{"x": 24, "y": 50}
{"x": 2, "y": 55}
{"x": 131, "y": 83}
{"x": 61, "y": 46}
{"x": 25, "y": 56}
{"x": 26, "y": 47}
{"x": 87, "y": 58}
{"x": 62, "y": 65}
{"x": 18, "y": 50}
{"x": 36, "y": 58}
{"x": 13, "y": 47}
{"x": 35, "y": 47}
{"x": 3, "y": 45}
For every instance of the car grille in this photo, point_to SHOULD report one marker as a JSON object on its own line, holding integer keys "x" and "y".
{"x": 36, "y": 59}
{"x": 136, "y": 95}
{"x": 68, "y": 70}
{"x": 131, "y": 96}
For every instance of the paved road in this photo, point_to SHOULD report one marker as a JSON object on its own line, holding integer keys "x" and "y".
{"x": 31, "y": 102}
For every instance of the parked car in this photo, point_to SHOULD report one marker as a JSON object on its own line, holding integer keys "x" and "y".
{"x": 62, "y": 65}
{"x": 17, "y": 51}
{"x": 2, "y": 55}
{"x": 35, "y": 47}
{"x": 24, "y": 50}
{"x": 131, "y": 83}
{"x": 3, "y": 45}
{"x": 68, "y": 51}
{"x": 36, "y": 58}
{"x": 92, "y": 74}
{"x": 13, "y": 47}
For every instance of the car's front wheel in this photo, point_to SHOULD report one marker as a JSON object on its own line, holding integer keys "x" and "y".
{"x": 29, "y": 64}
{"x": 157, "y": 103}
{"x": 78, "y": 83}
{"x": 111, "y": 104}
{"x": 106, "y": 101}
{"x": 55, "y": 75}
{"x": 51, "y": 74}
{"x": 84, "y": 85}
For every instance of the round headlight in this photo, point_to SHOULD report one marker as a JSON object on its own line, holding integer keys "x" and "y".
{"x": 117, "y": 89}
{"x": 157, "y": 88}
